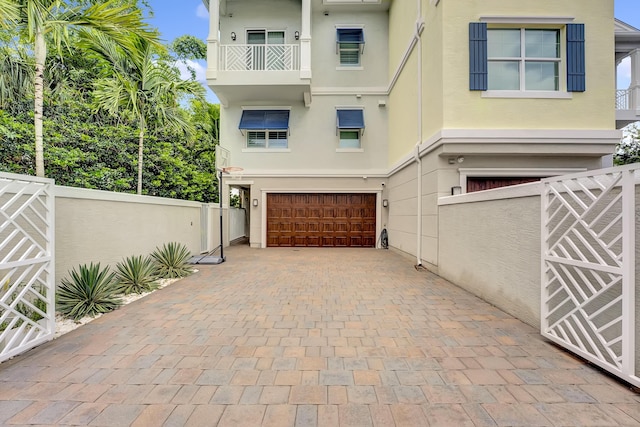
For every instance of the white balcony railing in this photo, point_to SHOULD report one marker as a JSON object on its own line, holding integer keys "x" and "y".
{"x": 260, "y": 57}
{"x": 623, "y": 99}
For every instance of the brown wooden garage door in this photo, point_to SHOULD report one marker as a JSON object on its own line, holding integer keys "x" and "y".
{"x": 321, "y": 220}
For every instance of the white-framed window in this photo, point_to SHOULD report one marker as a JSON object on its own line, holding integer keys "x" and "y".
{"x": 267, "y": 139}
{"x": 350, "y": 46}
{"x": 350, "y": 138}
{"x": 523, "y": 59}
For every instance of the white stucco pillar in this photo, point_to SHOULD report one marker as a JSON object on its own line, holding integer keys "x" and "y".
{"x": 305, "y": 40}
{"x": 213, "y": 42}
{"x": 634, "y": 86}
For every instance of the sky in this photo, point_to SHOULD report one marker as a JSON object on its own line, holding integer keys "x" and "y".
{"x": 191, "y": 18}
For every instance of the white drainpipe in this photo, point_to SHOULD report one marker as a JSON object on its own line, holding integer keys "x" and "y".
{"x": 418, "y": 35}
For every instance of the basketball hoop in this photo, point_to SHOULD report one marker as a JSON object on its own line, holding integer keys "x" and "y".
{"x": 232, "y": 169}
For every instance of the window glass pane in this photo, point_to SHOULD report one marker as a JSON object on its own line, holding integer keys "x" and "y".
{"x": 275, "y": 37}
{"x": 277, "y": 139}
{"x": 255, "y": 37}
{"x": 349, "y": 54}
{"x": 256, "y": 139}
{"x": 542, "y": 43}
{"x": 541, "y": 75}
{"x": 349, "y": 139}
{"x": 504, "y": 75}
{"x": 503, "y": 43}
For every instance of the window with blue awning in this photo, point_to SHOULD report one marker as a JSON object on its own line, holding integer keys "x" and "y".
{"x": 264, "y": 120}
{"x": 350, "y": 36}
{"x": 351, "y": 119}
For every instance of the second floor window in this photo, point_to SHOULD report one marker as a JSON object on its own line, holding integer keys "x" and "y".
{"x": 267, "y": 139}
{"x": 350, "y": 46}
{"x": 523, "y": 59}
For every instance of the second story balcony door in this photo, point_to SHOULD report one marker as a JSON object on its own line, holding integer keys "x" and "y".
{"x": 266, "y": 50}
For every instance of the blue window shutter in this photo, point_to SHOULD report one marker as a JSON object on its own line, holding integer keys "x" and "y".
{"x": 576, "y": 78}
{"x": 478, "y": 56}
{"x": 350, "y": 35}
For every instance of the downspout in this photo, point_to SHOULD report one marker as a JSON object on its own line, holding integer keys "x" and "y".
{"x": 419, "y": 29}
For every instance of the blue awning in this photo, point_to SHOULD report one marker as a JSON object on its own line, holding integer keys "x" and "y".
{"x": 264, "y": 120}
{"x": 350, "y": 119}
{"x": 350, "y": 35}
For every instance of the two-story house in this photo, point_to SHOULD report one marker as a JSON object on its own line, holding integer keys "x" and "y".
{"x": 353, "y": 116}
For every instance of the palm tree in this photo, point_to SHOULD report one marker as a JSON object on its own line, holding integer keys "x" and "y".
{"x": 39, "y": 21}
{"x": 143, "y": 87}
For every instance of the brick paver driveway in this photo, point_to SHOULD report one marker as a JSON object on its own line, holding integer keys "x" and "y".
{"x": 332, "y": 337}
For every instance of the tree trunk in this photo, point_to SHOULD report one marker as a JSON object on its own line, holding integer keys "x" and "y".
{"x": 40, "y": 52}
{"x": 140, "y": 149}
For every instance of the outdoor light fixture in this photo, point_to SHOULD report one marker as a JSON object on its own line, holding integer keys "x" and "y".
{"x": 297, "y": 35}
{"x": 233, "y": 36}
{"x": 460, "y": 159}
{"x": 456, "y": 190}
{"x": 385, "y": 203}
{"x": 255, "y": 203}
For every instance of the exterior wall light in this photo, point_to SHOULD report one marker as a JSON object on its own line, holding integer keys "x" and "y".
{"x": 297, "y": 35}
{"x": 255, "y": 203}
{"x": 456, "y": 190}
{"x": 233, "y": 36}
{"x": 385, "y": 203}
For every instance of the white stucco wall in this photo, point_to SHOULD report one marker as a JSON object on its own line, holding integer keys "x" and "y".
{"x": 100, "y": 226}
{"x": 492, "y": 249}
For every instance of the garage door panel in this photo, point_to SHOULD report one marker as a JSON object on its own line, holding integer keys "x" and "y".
{"x": 321, "y": 219}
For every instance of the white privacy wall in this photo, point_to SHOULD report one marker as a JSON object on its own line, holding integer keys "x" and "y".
{"x": 105, "y": 227}
{"x": 490, "y": 245}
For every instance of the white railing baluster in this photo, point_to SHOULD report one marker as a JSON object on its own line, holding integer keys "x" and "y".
{"x": 259, "y": 57}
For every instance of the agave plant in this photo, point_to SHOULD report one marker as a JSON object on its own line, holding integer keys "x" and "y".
{"x": 137, "y": 275}
{"x": 90, "y": 291}
{"x": 171, "y": 260}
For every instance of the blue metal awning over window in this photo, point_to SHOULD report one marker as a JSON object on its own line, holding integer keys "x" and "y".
{"x": 350, "y": 35}
{"x": 264, "y": 120}
{"x": 350, "y": 119}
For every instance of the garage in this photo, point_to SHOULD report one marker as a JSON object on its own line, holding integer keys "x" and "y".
{"x": 321, "y": 220}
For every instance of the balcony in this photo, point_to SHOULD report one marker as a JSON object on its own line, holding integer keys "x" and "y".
{"x": 627, "y": 107}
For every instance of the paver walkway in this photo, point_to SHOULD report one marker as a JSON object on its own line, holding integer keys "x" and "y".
{"x": 327, "y": 337}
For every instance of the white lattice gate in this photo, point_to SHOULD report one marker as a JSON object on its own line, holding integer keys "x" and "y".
{"x": 27, "y": 312}
{"x": 588, "y": 266}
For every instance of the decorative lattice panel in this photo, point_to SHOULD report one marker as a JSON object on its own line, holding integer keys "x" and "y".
{"x": 27, "y": 313}
{"x": 588, "y": 266}
{"x": 275, "y": 57}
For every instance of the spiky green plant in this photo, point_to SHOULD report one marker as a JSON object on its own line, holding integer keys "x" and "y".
{"x": 90, "y": 291}
{"x": 172, "y": 260}
{"x": 137, "y": 274}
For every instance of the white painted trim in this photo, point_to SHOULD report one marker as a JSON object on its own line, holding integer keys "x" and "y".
{"x": 272, "y": 107}
{"x": 265, "y": 191}
{"x": 231, "y": 182}
{"x": 512, "y": 172}
{"x": 347, "y": 68}
{"x": 90, "y": 194}
{"x": 529, "y": 134}
{"x": 266, "y": 150}
{"x": 349, "y": 150}
{"x": 527, "y": 94}
{"x": 544, "y": 20}
{"x": 531, "y": 189}
{"x": 317, "y": 173}
{"x": 349, "y": 26}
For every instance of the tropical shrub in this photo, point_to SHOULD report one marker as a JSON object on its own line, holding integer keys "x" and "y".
{"x": 90, "y": 291}
{"x": 137, "y": 274}
{"x": 171, "y": 260}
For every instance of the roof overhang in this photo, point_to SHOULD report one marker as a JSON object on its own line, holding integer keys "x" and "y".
{"x": 627, "y": 39}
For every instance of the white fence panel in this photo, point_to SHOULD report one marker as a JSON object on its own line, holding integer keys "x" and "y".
{"x": 237, "y": 223}
{"x": 27, "y": 287}
{"x": 588, "y": 296}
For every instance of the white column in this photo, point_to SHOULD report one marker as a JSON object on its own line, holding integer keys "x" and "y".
{"x": 634, "y": 86}
{"x": 305, "y": 40}
{"x": 212, "y": 40}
